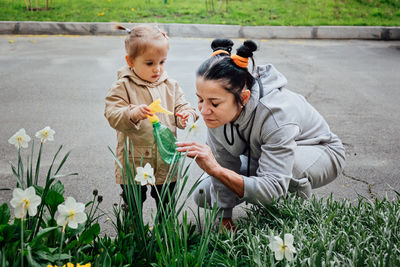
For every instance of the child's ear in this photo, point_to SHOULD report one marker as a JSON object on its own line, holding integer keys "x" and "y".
{"x": 129, "y": 60}
{"x": 245, "y": 96}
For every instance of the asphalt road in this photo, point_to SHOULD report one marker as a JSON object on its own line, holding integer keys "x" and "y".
{"x": 61, "y": 82}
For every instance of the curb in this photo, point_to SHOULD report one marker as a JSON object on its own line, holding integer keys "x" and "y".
{"x": 209, "y": 30}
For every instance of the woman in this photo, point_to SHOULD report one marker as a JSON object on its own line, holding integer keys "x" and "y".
{"x": 263, "y": 140}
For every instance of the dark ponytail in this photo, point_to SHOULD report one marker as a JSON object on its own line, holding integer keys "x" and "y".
{"x": 222, "y": 67}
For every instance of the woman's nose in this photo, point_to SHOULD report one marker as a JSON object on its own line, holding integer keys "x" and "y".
{"x": 204, "y": 109}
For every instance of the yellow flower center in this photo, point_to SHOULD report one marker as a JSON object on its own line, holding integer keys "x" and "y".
{"x": 45, "y": 133}
{"x": 283, "y": 247}
{"x": 71, "y": 215}
{"x": 26, "y": 202}
{"x": 145, "y": 175}
{"x": 20, "y": 139}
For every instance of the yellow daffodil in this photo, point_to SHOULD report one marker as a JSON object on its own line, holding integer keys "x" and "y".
{"x": 71, "y": 214}
{"x": 20, "y": 139}
{"x": 283, "y": 248}
{"x": 45, "y": 134}
{"x": 25, "y": 200}
{"x": 145, "y": 175}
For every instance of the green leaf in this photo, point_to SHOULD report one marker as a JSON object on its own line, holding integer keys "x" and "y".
{"x": 58, "y": 187}
{"x": 89, "y": 235}
{"x": 52, "y": 257}
{"x": 4, "y": 214}
{"x": 39, "y": 190}
{"x": 106, "y": 261}
{"x": 36, "y": 241}
{"x": 53, "y": 199}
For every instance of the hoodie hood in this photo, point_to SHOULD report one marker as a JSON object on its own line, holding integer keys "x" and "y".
{"x": 127, "y": 72}
{"x": 270, "y": 78}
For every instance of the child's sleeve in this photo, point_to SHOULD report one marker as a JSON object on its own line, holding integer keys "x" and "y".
{"x": 117, "y": 109}
{"x": 182, "y": 105}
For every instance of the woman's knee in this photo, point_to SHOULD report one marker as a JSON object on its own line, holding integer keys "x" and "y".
{"x": 202, "y": 195}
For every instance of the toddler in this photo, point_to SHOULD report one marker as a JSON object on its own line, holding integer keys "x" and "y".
{"x": 139, "y": 83}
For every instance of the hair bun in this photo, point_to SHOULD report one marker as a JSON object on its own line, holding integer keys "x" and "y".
{"x": 247, "y": 49}
{"x": 222, "y": 44}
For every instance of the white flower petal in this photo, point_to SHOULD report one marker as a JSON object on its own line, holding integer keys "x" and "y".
{"x": 152, "y": 180}
{"x": 32, "y": 210}
{"x": 278, "y": 255}
{"x": 288, "y": 239}
{"x": 73, "y": 224}
{"x": 288, "y": 254}
{"x": 80, "y": 217}
{"x": 61, "y": 220}
{"x": 291, "y": 247}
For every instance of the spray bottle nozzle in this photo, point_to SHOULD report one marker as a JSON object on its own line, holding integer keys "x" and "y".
{"x": 156, "y": 107}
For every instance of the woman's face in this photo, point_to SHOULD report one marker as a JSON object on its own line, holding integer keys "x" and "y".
{"x": 216, "y": 105}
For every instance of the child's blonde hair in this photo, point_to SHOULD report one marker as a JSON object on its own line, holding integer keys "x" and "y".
{"x": 140, "y": 37}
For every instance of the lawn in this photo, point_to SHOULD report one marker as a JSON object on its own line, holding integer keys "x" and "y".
{"x": 235, "y": 12}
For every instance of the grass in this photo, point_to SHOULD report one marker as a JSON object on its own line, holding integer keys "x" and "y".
{"x": 326, "y": 232}
{"x": 242, "y": 12}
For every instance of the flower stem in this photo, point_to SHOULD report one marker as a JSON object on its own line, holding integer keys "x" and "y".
{"x": 61, "y": 243}
{"x": 22, "y": 241}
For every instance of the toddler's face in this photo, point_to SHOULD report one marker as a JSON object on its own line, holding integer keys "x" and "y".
{"x": 149, "y": 65}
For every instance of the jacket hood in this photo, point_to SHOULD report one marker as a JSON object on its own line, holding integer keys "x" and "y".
{"x": 270, "y": 78}
{"x": 127, "y": 72}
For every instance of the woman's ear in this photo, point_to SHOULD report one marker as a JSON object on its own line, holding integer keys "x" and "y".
{"x": 245, "y": 96}
{"x": 129, "y": 60}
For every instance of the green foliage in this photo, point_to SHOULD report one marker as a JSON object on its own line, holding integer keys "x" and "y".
{"x": 252, "y": 12}
{"x": 33, "y": 241}
{"x": 326, "y": 233}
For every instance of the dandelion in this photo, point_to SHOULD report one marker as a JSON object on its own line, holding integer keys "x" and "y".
{"x": 20, "y": 139}
{"x": 283, "y": 248}
{"x": 71, "y": 214}
{"x": 145, "y": 175}
{"x": 25, "y": 200}
{"x": 100, "y": 14}
{"x": 133, "y": 9}
{"x": 46, "y": 134}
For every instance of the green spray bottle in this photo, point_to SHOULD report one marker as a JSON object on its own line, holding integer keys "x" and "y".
{"x": 163, "y": 136}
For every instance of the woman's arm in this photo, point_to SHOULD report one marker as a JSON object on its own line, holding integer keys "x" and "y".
{"x": 207, "y": 162}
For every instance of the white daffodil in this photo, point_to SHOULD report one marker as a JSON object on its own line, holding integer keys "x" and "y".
{"x": 25, "y": 200}
{"x": 45, "y": 134}
{"x": 145, "y": 175}
{"x": 283, "y": 248}
{"x": 20, "y": 139}
{"x": 194, "y": 130}
{"x": 71, "y": 213}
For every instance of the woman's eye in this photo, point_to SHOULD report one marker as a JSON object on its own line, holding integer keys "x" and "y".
{"x": 214, "y": 105}
{"x": 162, "y": 62}
{"x": 200, "y": 101}
{"x": 149, "y": 63}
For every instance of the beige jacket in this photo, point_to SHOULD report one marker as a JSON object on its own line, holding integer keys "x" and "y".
{"x": 127, "y": 92}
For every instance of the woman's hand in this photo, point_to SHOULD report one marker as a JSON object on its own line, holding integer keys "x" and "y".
{"x": 205, "y": 158}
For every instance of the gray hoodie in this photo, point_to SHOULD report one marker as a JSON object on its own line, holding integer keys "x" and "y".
{"x": 272, "y": 124}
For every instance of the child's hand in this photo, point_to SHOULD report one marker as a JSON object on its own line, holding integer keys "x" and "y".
{"x": 139, "y": 113}
{"x": 184, "y": 115}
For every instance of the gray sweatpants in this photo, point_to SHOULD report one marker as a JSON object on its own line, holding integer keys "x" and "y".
{"x": 314, "y": 166}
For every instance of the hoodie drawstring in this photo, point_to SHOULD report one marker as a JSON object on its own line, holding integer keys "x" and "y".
{"x": 242, "y": 138}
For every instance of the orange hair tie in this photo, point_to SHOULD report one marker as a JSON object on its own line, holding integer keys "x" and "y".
{"x": 217, "y": 52}
{"x": 242, "y": 62}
